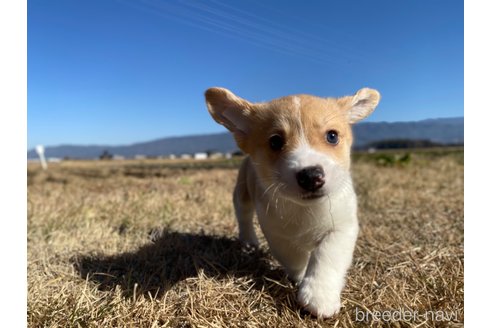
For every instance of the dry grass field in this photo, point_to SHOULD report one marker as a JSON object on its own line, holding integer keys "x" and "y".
{"x": 153, "y": 244}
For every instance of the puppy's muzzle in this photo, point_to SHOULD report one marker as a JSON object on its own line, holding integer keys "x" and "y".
{"x": 311, "y": 178}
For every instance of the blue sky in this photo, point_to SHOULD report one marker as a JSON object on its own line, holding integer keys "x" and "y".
{"x": 123, "y": 71}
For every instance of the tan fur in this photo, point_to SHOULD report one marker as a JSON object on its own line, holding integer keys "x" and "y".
{"x": 287, "y": 116}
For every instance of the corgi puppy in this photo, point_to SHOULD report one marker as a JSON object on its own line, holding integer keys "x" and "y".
{"x": 296, "y": 178}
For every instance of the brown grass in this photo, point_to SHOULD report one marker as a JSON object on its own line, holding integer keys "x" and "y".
{"x": 142, "y": 244}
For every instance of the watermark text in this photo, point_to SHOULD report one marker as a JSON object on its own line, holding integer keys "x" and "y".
{"x": 404, "y": 315}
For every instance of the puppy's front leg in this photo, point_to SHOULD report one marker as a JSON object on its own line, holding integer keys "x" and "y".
{"x": 319, "y": 291}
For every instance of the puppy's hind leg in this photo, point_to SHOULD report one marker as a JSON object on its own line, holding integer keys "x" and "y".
{"x": 244, "y": 209}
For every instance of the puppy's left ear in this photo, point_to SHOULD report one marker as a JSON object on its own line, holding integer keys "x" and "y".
{"x": 232, "y": 112}
{"x": 363, "y": 104}
{"x": 228, "y": 110}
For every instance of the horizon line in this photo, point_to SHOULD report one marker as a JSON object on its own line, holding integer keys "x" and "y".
{"x": 210, "y": 133}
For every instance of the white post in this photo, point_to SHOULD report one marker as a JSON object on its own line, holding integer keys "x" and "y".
{"x": 40, "y": 151}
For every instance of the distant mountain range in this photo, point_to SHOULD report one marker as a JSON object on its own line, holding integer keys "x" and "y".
{"x": 442, "y": 130}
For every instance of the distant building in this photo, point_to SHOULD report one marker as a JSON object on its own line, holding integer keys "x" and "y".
{"x": 185, "y": 156}
{"x": 200, "y": 156}
{"x": 140, "y": 157}
{"x": 54, "y": 159}
{"x": 215, "y": 155}
{"x": 118, "y": 157}
{"x": 172, "y": 156}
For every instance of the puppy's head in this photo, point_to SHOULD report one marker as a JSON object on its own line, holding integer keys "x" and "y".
{"x": 300, "y": 145}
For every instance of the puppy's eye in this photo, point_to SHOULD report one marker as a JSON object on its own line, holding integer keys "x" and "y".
{"x": 276, "y": 142}
{"x": 332, "y": 137}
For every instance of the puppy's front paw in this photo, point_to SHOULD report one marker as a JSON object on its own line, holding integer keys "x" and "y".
{"x": 318, "y": 299}
{"x": 249, "y": 241}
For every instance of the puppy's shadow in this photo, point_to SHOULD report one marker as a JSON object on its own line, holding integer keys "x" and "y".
{"x": 174, "y": 256}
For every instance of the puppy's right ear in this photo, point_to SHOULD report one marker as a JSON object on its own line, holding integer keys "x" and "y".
{"x": 229, "y": 110}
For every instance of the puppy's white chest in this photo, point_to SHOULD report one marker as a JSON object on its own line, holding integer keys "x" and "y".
{"x": 305, "y": 225}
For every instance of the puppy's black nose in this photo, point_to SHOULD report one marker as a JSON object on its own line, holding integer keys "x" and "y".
{"x": 311, "y": 178}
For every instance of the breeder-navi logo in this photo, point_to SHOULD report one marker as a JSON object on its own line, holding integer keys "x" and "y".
{"x": 404, "y": 315}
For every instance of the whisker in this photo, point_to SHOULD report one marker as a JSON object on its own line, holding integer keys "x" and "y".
{"x": 266, "y": 190}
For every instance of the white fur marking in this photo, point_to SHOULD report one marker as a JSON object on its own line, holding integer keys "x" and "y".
{"x": 304, "y": 155}
{"x": 297, "y": 102}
